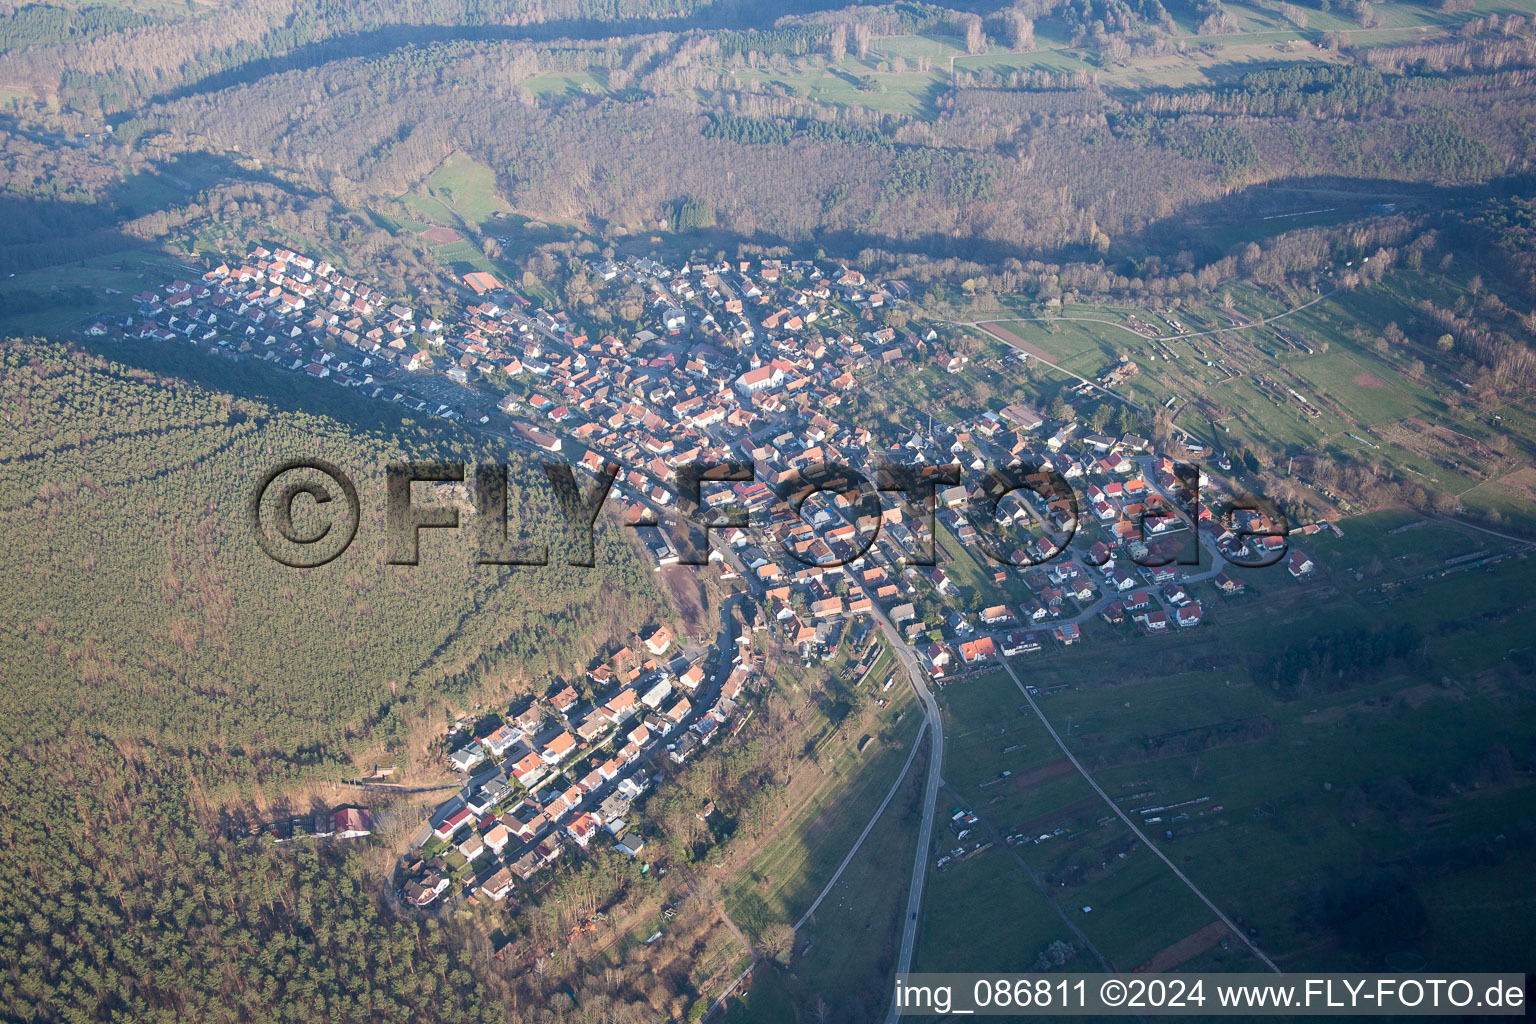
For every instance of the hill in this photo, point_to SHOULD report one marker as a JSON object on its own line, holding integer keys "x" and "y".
{"x": 160, "y": 670}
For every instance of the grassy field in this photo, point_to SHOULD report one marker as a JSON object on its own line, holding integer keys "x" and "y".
{"x": 934, "y": 46}
{"x": 1282, "y": 804}
{"x": 40, "y": 304}
{"x": 462, "y": 257}
{"x": 967, "y": 566}
{"x": 1308, "y": 807}
{"x": 1489, "y": 907}
{"x": 1004, "y": 62}
{"x": 767, "y": 1000}
{"x": 904, "y": 73}
{"x": 987, "y": 731}
{"x": 1397, "y": 405}
{"x": 1404, "y": 548}
{"x": 460, "y": 192}
{"x": 721, "y": 958}
{"x": 846, "y": 952}
{"x": 468, "y": 187}
{"x": 1137, "y": 908}
{"x": 990, "y": 893}
{"x": 554, "y": 85}
{"x": 1512, "y": 497}
{"x": 1135, "y": 905}
{"x": 1073, "y": 344}
{"x": 984, "y": 914}
{"x": 428, "y": 209}
{"x": 835, "y": 800}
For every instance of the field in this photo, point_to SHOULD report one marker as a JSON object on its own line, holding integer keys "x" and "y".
{"x": 990, "y": 893}
{"x": 845, "y": 952}
{"x": 558, "y": 85}
{"x": 985, "y": 914}
{"x": 1319, "y": 374}
{"x": 1490, "y": 924}
{"x": 1307, "y": 783}
{"x": 1028, "y": 896}
{"x": 460, "y": 191}
{"x": 462, "y": 257}
{"x": 461, "y": 198}
{"x": 856, "y": 83}
{"x": 768, "y": 999}
{"x": 1512, "y": 498}
{"x": 1345, "y": 765}
{"x": 1404, "y": 542}
{"x": 830, "y": 801}
{"x": 36, "y": 302}
{"x": 903, "y": 73}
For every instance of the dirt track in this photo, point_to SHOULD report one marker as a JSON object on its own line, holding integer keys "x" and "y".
{"x": 1187, "y": 948}
{"x": 1019, "y": 343}
{"x": 1045, "y": 773}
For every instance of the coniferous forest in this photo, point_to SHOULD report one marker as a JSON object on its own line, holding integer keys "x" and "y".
{"x": 164, "y": 678}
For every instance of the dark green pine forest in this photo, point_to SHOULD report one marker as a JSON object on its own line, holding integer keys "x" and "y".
{"x": 162, "y": 675}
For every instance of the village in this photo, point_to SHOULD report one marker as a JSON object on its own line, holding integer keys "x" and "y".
{"x": 662, "y": 510}
{"x": 553, "y": 773}
{"x": 744, "y": 361}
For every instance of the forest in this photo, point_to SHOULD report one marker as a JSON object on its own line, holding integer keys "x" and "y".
{"x": 135, "y": 484}
{"x": 192, "y": 686}
{"x": 169, "y": 685}
{"x": 166, "y": 680}
{"x": 1027, "y": 163}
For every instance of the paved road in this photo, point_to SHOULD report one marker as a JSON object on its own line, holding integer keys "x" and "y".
{"x": 1206, "y": 540}
{"x": 919, "y": 679}
{"x": 934, "y": 726}
{"x": 702, "y": 699}
{"x": 930, "y": 793}
{"x": 719, "y": 1002}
